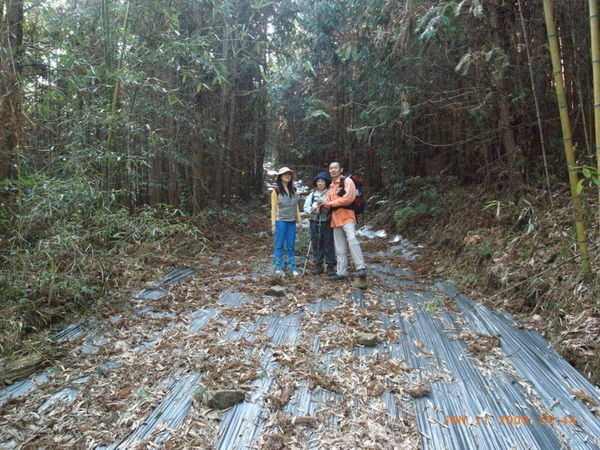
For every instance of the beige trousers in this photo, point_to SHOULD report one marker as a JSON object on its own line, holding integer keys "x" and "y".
{"x": 344, "y": 237}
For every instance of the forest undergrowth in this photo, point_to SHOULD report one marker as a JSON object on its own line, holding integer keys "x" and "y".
{"x": 516, "y": 253}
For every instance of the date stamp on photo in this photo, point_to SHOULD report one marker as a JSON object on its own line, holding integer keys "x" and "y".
{"x": 509, "y": 420}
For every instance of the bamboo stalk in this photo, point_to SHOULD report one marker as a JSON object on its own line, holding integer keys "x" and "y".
{"x": 108, "y": 71}
{"x": 115, "y": 97}
{"x": 537, "y": 106}
{"x": 567, "y": 138}
{"x": 595, "y": 38}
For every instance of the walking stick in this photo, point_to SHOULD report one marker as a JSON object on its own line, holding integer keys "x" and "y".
{"x": 319, "y": 223}
{"x": 307, "y": 253}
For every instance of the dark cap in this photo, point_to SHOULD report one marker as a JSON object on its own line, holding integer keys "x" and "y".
{"x": 322, "y": 176}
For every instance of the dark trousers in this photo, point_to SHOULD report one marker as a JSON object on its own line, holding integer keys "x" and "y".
{"x": 321, "y": 236}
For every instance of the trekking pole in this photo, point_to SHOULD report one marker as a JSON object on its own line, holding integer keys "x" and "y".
{"x": 307, "y": 253}
{"x": 319, "y": 224}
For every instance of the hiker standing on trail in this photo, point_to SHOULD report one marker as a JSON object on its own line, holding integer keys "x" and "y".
{"x": 285, "y": 214}
{"x": 321, "y": 233}
{"x": 340, "y": 195}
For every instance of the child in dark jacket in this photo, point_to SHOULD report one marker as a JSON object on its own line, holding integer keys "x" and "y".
{"x": 321, "y": 233}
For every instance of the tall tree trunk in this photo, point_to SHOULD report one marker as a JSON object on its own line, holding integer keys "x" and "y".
{"x": 506, "y": 117}
{"x": 567, "y": 138}
{"x": 173, "y": 185}
{"x": 219, "y": 171}
{"x": 536, "y": 101}
{"x": 234, "y": 144}
{"x": 198, "y": 200}
{"x": 11, "y": 108}
{"x": 595, "y": 34}
{"x": 108, "y": 69}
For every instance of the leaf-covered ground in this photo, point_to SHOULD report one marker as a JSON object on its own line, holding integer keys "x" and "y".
{"x": 125, "y": 366}
{"x": 517, "y": 257}
{"x": 512, "y": 251}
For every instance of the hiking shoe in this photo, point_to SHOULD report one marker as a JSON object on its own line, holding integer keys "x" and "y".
{"x": 318, "y": 270}
{"x": 295, "y": 273}
{"x": 338, "y": 277}
{"x": 330, "y": 271}
{"x": 362, "y": 273}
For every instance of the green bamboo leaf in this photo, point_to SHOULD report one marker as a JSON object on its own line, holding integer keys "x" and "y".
{"x": 586, "y": 172}
{"x": 261, "y": 5}
{"x": 318, "y": 113}
{"x": 579, "y": 188}
{"x": 308, "y": 66}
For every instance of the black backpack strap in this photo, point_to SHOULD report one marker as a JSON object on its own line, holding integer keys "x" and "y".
{"x": 341, "y": 186}
{"x": 314, "y": 198}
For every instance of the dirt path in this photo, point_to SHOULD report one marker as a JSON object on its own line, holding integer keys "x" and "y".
{"x": 442, "y": 371}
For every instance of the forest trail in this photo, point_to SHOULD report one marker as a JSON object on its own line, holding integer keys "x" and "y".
{"x": 442, "y": 370}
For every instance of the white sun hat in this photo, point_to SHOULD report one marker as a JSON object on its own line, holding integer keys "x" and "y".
{"x": 284, "y": 170}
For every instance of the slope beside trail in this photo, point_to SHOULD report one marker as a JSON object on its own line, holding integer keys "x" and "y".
{"x": 408, "y": 363}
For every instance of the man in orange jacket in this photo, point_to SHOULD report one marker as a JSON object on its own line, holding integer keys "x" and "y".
{"x": 343, "y": 222}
